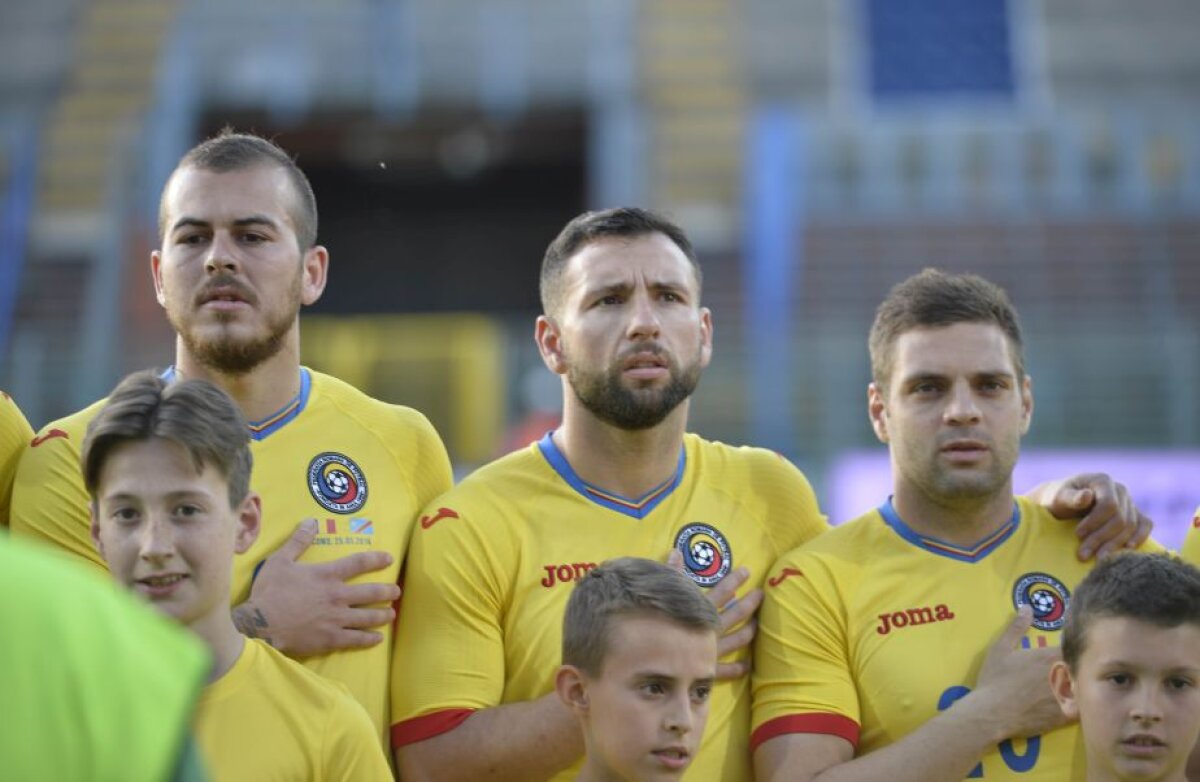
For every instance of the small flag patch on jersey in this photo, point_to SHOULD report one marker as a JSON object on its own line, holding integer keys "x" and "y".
{"x": 362, "y": 527}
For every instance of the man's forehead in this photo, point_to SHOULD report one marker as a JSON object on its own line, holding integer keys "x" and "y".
{"x": 209, "y": 195}
{"x": 612, "y": 260}
{"x": 955, "y": 345}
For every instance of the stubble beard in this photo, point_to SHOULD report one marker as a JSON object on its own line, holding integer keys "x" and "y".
{"x": 951, "y": 488}
{"x": 229, "y": 355}
{"x": 606, "y": 397}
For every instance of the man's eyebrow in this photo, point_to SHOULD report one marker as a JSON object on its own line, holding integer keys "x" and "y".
{"x": 241, "y": 222}
{"x": 607, "y": 289}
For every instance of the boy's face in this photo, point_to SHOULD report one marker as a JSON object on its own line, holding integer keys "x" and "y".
{"x": 1136, "y": 693}
{"x": 644, "y": 715}
{"x": 167, "y": 532}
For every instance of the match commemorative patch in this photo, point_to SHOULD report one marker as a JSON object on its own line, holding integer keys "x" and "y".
{"x": 337, "y": 483}
{"x": 1048, "y": 597}
{"x": 706, "y": 554}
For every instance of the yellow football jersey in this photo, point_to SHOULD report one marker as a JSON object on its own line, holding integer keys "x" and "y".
{"x": 15, "y": 433}
{"x": 269, "y": 717}
{"x": 870, "y": 631}
{"x": 1190, "y": 550}
{"x": 493, "y": 563}
{"x": 362, "y": 467}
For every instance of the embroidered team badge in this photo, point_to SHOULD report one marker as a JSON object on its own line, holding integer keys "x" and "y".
{"x": 337, "y": 483}
{"x": 706, "y": 554}
{"x": 1048, "y": 597}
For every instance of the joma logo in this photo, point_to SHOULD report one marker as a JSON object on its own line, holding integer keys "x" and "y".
{"x": 565, "y": 574}
{"x": 911, "y": 617}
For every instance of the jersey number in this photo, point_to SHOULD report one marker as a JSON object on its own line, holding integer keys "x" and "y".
{"x": 1016, "y": 762}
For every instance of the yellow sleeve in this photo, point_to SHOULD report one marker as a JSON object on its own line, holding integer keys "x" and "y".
{"x": 432, "y": 475}
{"x": 15, "y": 434}
{"x": 795, "y": 516}
{"x": 352, "y": 752}
{"x": 1191, "y": 544}
{"x": 806, "y": 519}
{"x": 449, "y": 652}
{"x": 49, "y": 501}
{"x": 802, "y": 681}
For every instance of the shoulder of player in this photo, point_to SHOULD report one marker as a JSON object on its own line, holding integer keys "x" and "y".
{"x": 1037, "y": 521}
{"x": 838, "y": 555}
{"x": 64, "y": 435}
{"x": 848, "y": 541}
{"x": 495, "y": 486}
{"x": 384, "y": 419}
{"x": 747, "y": 464}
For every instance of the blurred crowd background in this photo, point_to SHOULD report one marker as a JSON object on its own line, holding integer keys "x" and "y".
{"x": 818, "y": 151}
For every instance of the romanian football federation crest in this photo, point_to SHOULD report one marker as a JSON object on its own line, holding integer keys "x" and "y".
{"x": 1048, "y": 597}
{"x": 706, "y": 554}
{"x": 337, "y": 483}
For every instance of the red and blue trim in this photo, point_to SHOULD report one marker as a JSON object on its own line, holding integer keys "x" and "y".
{"x": 637, "y": 508}
{"x": 972, "y": 553}
{"x": 260, "y": 430}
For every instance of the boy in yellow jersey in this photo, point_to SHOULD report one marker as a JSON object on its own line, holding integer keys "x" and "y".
{"x": 492, "y": 562}
{"x": 639, "y": 661}
{"x": 14, "y": 434}
{"x": 343, "y": 475}
{"x": 168, "y": 467}
{"x": 877, "y": 654}
{"x": 1130, "y": 671}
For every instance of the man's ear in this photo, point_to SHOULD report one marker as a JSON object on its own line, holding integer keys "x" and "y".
{"x": 248, "y": 522}
{"x": 877, "y": 411}
{"x": 571, "y": 687}
{"x": 549, "y": 343}
{"x": 315, "y": 274}
{"x": 1063, "y": 688}
{"x": 156, "y": 275}
{"x": 1026, "y": 403}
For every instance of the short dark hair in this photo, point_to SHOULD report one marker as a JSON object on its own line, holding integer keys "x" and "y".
{"x": 1157, "y": 588}
{"x": 627, "y": 587}
{"x": 627, "y": 222}
{"x": 935, "y": 298}
{"x": 194, "y": 414}
{"x": 233, "y": 151}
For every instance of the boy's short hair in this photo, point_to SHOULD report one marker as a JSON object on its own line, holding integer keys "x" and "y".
{"x": 935, "y": 298}
{"x": 628, "y": 587}
{"x": 621, "y": 223}
{"x": 194, "y": 414}
{"x": 1157, "y": 588}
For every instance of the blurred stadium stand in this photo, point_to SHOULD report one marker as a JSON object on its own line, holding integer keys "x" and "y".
{"x": 818, "y": 151}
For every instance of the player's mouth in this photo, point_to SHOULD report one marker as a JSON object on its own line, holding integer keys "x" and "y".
{"x": 226, "y": 297}
{"x": 645, "y": 364}
{"x": 1143, "y": 745}
{"x": 160, "y": 584}
{"x": 964, "y": 450}
{"x": 673, "y": 758}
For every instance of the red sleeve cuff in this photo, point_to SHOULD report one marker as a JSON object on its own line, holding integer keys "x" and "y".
{"x": 427, "y": 726}
{"x": 829, "y": 724}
